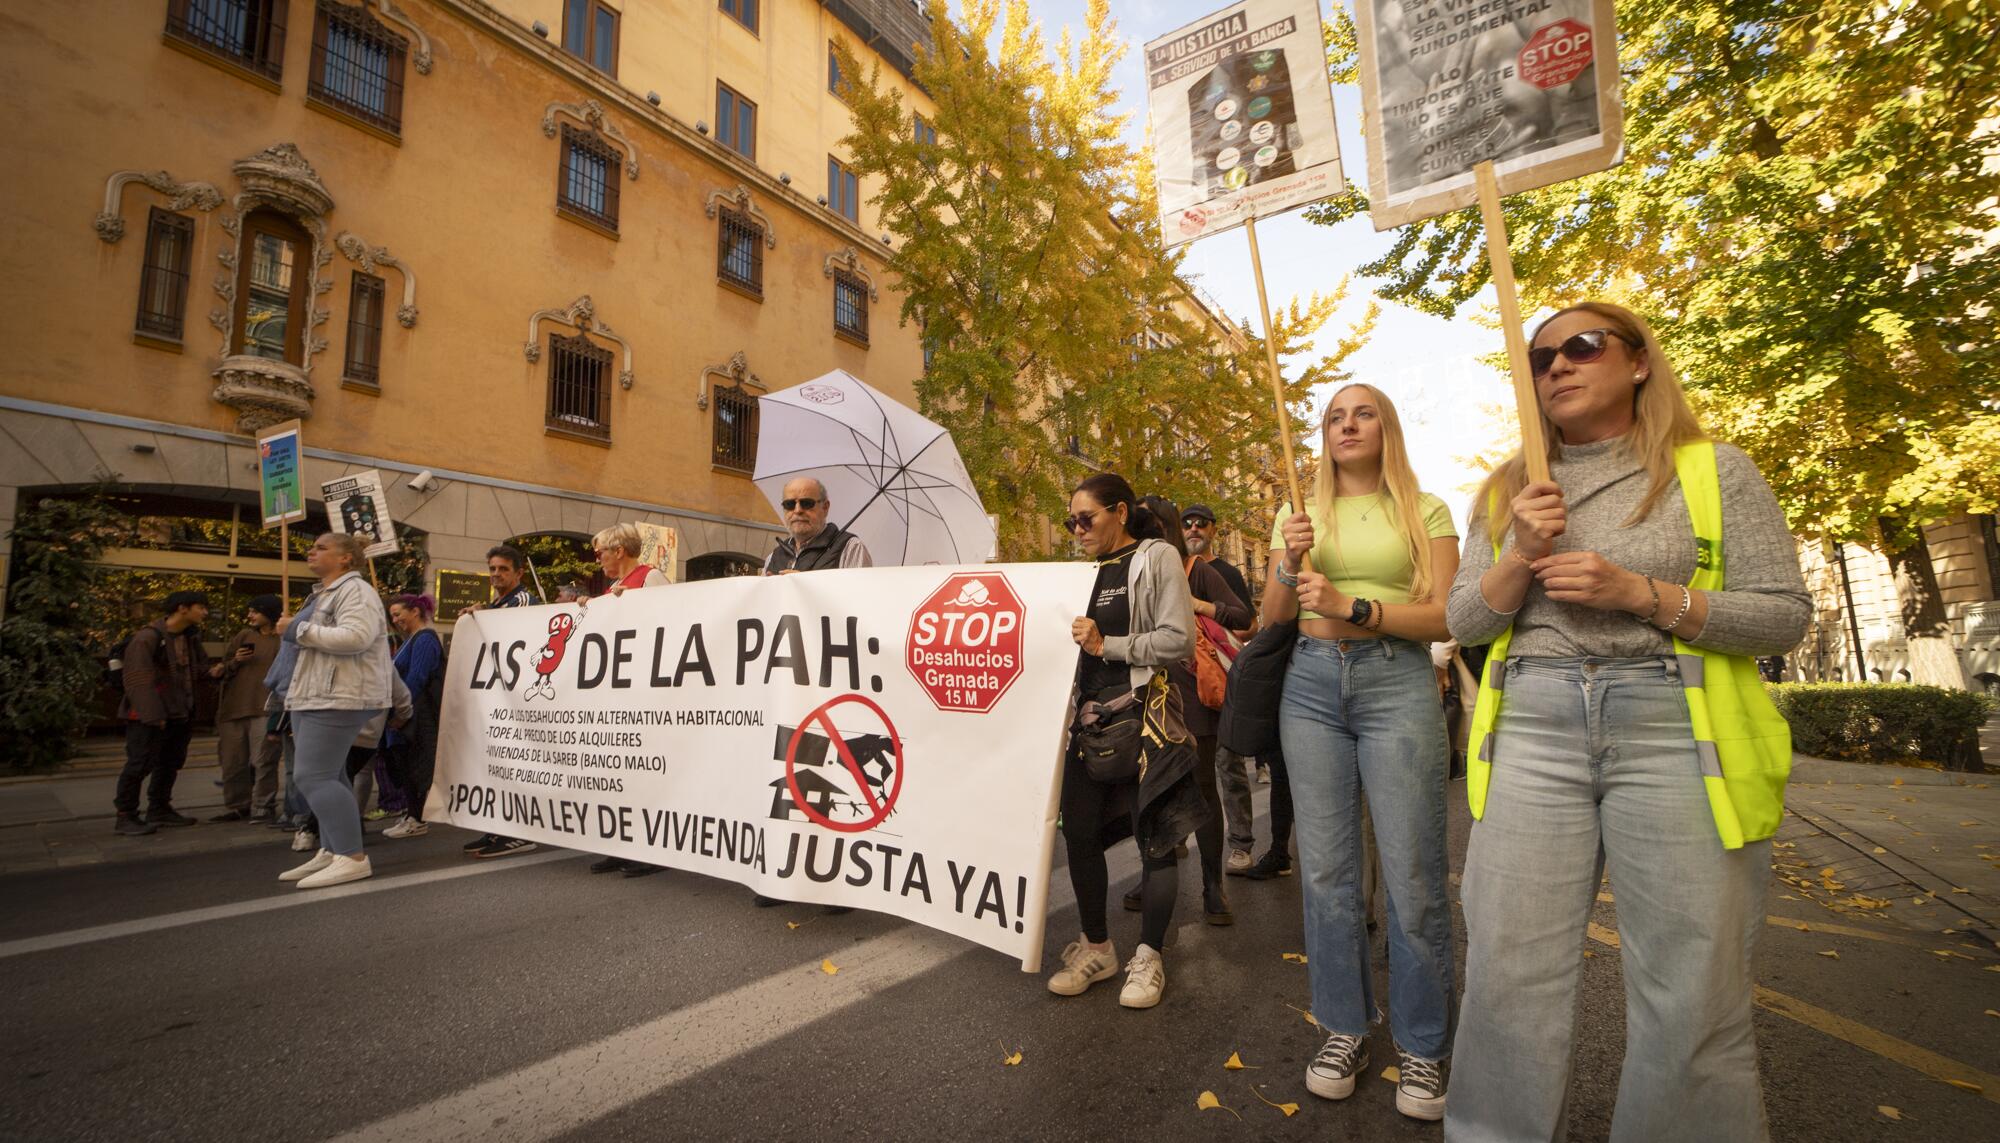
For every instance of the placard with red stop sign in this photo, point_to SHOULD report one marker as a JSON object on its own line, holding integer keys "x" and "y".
{"x": 965, "y": 645}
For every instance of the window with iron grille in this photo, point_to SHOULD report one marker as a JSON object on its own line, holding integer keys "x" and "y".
{"x": 735, "y": 121}
{"x": 850, "y": 306}
{"x": 163, "y": 282}
{"x": 248, "y": 33}
{"x": 588, "y": 187}
{"x": 843, "y": 190}
{"x": 357, "y": 65}
{"x": 743, "y": 12}
{"x": 739, "y": 255}
{"x": 590, "y": 32}
{"x": 735, "y": 429}
{"x": 579, "y": 397}
{"x": 364, "y": 330}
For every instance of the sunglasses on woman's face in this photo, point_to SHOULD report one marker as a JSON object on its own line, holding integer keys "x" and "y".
{"x": 806, "y": 502}
{"x": 1081, "y": 522}
{"x": 1580, "y": 349}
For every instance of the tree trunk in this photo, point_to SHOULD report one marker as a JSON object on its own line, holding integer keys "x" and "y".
{"x": 1933, "y": 660}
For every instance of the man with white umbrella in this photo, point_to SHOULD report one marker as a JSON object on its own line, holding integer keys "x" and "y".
{"x": 814, "y": 543}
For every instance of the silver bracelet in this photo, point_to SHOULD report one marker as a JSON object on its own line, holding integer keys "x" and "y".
{"x": 1687, "y": 601}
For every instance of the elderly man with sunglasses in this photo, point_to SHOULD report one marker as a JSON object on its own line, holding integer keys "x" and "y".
{"x": 813, "y": 543}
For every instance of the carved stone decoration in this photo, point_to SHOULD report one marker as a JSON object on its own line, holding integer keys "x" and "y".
{"x": 849, "y": 261}
{"x": 738, "y": 200}
{"x": 591, "y": 114}
{"x": 421, "y": 57}
{"x": 369, "y": 258}
{"x": 262, "y": 391}
{"x": 110, "y": 222}
{"x": 736, "y": 369}
{"x": 582, "y": 314}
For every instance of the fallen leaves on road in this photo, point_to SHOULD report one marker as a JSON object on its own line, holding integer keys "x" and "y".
{"x": 1879, "y": 849}
{"x": 1235, "y": 1063}
{"x": 1950, "y": 953}
{"x": 1967, "y": 1085}
{"x": 1803, "y": 927}
{"x": 796, "y": 925}
{"x": 1009, "y": 1059}
{"x": 1829, "y": 953}
{"x": 1295, "y": 958}
{"x": 1304, "y": 1013}
{"x": 1991, "y": 1012}
{"x": 1861, "y": 902}
{"x": 1393, "y": 1074}
{"x": 1883, "y": 1109}
{"x": 1967, "y": 825}
{"x": 1208, "y": 1102}
{"x": 1290, "y": 1109}
{"x": 828, "y": 967}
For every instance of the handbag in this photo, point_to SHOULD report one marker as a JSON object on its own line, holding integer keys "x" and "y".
{"x": 1107, "y": 734}
{"x": 1211, "y": 674}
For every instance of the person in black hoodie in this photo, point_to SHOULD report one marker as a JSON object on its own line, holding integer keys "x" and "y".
{"x": 163, "y": 663}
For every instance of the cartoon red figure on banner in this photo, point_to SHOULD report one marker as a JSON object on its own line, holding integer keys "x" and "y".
{"x": 550, "y": 657}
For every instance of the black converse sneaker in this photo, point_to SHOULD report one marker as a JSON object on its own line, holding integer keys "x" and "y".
{"x": 1332, "y": 1072}
{"x": 1420, "y": 1091}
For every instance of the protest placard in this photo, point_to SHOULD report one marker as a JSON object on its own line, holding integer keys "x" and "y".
{"x": 357, "y": 505}
{"x": 883, "y": 738}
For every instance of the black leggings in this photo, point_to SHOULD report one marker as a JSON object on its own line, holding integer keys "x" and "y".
{"x": 1083, "y": 806}
{"x": 413, "y": 760}
{"x": 1208, "y": 837}
{"x": 1281, "y": 801}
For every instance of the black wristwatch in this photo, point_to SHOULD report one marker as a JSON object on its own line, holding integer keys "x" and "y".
{"x": 1359, "y": 613}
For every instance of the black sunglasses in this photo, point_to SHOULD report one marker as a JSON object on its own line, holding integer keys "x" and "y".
{"x": 806, "y": 502}
{"x": 1196, "y": 522}
{"x": 1580, "y": 349}
{"x": 1081, "y": 523}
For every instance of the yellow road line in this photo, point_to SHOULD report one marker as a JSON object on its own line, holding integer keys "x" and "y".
{"x": 1940, "y": 1068}
{"x": 1867, "y": 934}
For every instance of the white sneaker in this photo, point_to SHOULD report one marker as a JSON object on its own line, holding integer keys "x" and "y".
{"x": 1145, "y": 979}
{"x": 1239, "y": 863}
{"x": 305, "y": 841}
{"x": 408, "y": 827}
{"x": 1420, "y": 1091}
{"x": 340, "y": 871}
{"x": 319, "y": 861}
{"x": 1083, "y": 966}
{"x": 1340, "y": 1060}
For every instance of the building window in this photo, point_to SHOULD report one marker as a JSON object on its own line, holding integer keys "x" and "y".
{"x": 590, "y": 32}
{"x": 364, "y": 330}
{"x": 579, "y": 396}
{"x": 588, "y": 187}
{"x": 721, "y": 565}
{"x": 843, "y": 190}
{"x": 248, "y": 33}
{"x": 926, "y": 134}
{"x": 273, "y": 280}
{"x": 735, "y": 429}
{"x": 743, "y": 12}
{"x": 163, "y": 283}
{"x": 739, "y": 255}
{"x": 835, "y": 82}
{"x": 850, "y": 306}
{"x": 357, "y": 65}
{"x": 735, "y": 121}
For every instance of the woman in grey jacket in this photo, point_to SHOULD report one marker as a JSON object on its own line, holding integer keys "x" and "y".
{"x": 1140, "y": 619}
{"x": 341, "y": 682}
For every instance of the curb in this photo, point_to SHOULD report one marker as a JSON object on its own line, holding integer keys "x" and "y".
{"x": 1937, "y": 888}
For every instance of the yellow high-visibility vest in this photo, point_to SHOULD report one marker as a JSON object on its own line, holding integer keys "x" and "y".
{"x": 1745, "y": 745}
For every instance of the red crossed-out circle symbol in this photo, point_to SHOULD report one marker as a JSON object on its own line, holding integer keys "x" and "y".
{"x": 878, "y": 806}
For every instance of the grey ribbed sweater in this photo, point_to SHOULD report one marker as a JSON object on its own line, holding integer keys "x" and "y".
{"x": 1763, "y": 609}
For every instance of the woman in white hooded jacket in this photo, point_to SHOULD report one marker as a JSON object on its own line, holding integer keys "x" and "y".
{"x": 342, "y": 682}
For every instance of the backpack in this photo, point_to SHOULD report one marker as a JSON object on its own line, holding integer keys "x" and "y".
{"x": 114, "y": 664}
{"x": 1211, "y": 674}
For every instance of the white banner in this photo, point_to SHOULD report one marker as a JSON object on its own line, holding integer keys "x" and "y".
{"x": 357, "y": 505}
{"x": 882, "y": 738}
{"x": 1531, "y": 85}
{"x": 1242, "y": 118}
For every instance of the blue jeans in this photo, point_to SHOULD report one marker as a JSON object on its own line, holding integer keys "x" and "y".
{"x": 1362, "y": 716}
{"x": 1594, "y": 765}
{"x": 323, "y": 738}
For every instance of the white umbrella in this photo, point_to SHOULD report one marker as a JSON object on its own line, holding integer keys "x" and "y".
{"x": 893, "y": 476}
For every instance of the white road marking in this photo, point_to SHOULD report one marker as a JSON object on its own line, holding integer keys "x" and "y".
{"x": 287, "y": 899}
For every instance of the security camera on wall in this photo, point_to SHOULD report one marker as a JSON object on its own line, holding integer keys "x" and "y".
{"x": 423, "y": 481}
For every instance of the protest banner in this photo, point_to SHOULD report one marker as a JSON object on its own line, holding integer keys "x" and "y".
{"x": 1241, "y": 117}
{"x": 281, "y": 491}
{"x": 1464, "y": 101}
{"x": 882, "y": 738}
{"x": 357, "y": 505}
{"x": 660, "y": 549}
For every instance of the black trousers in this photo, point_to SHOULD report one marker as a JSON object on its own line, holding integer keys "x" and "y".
{"x": 1281, "y": 801}
{"x": 1085, "y": 804}
{"x": 413, "y": 761}
{"x": 157, "y": 750}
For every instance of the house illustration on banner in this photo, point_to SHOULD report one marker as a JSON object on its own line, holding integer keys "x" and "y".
{"x": 817, "y": 791}
{"x": 872, "y": 755}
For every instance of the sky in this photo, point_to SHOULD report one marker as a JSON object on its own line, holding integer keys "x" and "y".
{"x": 1428, "y": 366}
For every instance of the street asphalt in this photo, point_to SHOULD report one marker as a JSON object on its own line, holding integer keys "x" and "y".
{"x": 191, "y": 996}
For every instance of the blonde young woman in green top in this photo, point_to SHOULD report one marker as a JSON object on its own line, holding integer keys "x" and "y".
{"x": 1361, "y": 717}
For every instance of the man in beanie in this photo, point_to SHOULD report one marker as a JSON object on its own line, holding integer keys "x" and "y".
{"x": 249, "y": 755}
{"x": 163, "y": 661}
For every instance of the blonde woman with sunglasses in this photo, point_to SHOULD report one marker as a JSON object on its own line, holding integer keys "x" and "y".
{"x": 1594, "y": 762}
{"x": 1361, "y": 717}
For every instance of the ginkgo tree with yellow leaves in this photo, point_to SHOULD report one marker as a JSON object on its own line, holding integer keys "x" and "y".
{"x": 1807, "y": 215}
{"x": 1025, "y": 243}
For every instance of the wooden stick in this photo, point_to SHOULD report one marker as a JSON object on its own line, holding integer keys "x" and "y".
{"x": 1277, "y": 383}
{"x": 284, "y": 566}
{"x": 1534, "y": 444}
{"x": 371, "y": 575}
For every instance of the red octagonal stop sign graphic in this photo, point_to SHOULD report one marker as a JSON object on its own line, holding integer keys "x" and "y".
{"x": 965, "y": 642}
{"x": 1556, "y": 54}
